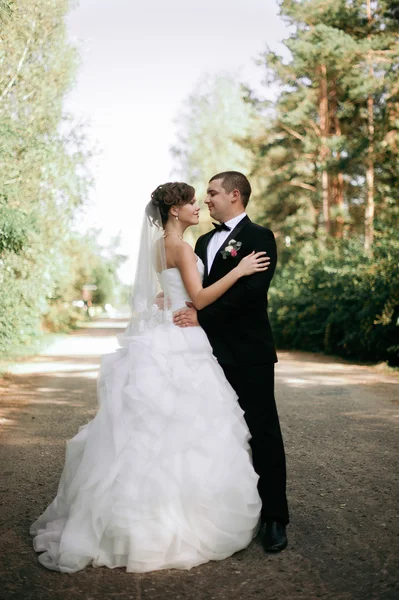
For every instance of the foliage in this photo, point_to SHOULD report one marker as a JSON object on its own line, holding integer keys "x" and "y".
{"x": 14, "y": 229}
{"x": 334, "y": 298}
{"x": 89, "y": 263}
{"x": 313, "y": 158}
{"x": 5, "y": 10}
{"x": 61, "y": 317}
{"x": 44, "y": 158}
{"x": 328, "y": 163}
{"x": 42, "y": 161}
{"x": 323, "y": 164}
{"x": 211, "y": 124}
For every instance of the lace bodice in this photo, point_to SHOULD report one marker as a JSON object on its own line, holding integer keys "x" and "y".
{"x": 170, "y": 280}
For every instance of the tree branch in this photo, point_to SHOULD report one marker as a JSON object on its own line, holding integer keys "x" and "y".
{"x": 20, "y": 64}
{"x": 292, "y": 132}
{"x": 301, "y": 184}
{"x": 315, "y": 128}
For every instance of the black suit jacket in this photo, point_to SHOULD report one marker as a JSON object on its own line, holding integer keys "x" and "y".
{"x": 237, "y": 324}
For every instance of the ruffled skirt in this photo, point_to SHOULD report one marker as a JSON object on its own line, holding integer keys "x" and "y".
{"x": 162, "y": 476}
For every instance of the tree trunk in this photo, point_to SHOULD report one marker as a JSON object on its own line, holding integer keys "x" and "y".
{"x": 324, "y": 129}
{"x": 337, "y": 184}
{"x": 369, "y": 211}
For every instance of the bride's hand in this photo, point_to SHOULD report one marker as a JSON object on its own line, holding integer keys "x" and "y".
{"x": 256, "y": 262}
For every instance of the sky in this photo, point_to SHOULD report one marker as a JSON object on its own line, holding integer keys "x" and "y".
{"x": 140, "y": 60}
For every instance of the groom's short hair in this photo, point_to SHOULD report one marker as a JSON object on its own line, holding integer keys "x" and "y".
{"x": 234, "y": 180}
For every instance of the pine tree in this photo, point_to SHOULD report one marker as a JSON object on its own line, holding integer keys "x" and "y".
{"x": 331, "y": 90}
{"x": 325, "y": 172}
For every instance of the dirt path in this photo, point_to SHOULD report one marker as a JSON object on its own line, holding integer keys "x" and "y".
{"x": 340, "y": 427}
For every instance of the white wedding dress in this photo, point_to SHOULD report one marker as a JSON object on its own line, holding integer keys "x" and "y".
{"x": 162, "y": 476}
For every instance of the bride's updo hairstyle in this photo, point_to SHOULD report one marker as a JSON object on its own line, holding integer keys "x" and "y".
{"x": 166, "y": 196}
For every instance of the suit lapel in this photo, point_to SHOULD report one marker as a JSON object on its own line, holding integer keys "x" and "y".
{"x": 206, "y": 243}
{"x": 232, "y": 236}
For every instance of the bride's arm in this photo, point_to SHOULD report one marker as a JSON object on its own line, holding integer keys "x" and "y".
{"x": 187, "y": 264}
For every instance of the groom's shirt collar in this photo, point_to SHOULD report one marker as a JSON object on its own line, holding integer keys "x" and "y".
{"x": 235, "y": 220}
{"x": 219, "y": 237}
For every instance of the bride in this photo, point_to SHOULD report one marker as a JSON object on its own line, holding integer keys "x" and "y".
{"x": 162, "y": 476}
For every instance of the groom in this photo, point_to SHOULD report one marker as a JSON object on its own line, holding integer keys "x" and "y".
{"x": 239, "y": 331}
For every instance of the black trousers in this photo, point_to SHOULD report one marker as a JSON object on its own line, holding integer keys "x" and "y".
{"x": 254, "y": 386}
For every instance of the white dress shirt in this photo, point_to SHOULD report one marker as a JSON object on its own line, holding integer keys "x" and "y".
{"x": 219, "y": 237}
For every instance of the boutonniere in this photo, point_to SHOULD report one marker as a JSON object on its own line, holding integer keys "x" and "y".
{"x": 232, "y": 249}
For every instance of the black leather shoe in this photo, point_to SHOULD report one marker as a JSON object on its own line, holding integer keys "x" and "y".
{"x": 272, "y": 536}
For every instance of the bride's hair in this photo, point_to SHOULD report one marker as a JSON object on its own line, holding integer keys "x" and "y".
{"x": 166, "y": 196}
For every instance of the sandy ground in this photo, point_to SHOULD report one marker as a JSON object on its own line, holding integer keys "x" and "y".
{"x": 340, "y": 427}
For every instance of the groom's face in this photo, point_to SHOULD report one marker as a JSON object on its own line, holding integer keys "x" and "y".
{"x": 218, "y": 201}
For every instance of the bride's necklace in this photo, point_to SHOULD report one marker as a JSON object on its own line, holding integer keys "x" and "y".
{"x": 173, "y": 233}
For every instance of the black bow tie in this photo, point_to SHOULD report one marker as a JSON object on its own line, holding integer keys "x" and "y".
{"x": 221, "y": 227}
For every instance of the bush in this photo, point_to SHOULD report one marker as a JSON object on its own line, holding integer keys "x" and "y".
{"x": 333, "y": 298}
{"x": 62, "y": 317}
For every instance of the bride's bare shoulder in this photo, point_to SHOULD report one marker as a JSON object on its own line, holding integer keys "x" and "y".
{"x": 177, "y": 251}
{"x": 183, "y": 251}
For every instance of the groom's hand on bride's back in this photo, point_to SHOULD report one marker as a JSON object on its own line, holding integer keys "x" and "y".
{"x": 186, "y": 317}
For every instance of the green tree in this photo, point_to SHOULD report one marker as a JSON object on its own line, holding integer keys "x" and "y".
{"x": 334, "y": 121}
{"x": 86, "y": 263}
{"x": 43, "y": 162}
{"x": 210, "y": 126}
{"x": 327, "y": 166}
{"x": 325, "y": 172}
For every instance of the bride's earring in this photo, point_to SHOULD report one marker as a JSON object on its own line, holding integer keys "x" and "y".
{"x": 177, "y": 217}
